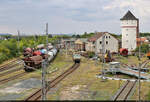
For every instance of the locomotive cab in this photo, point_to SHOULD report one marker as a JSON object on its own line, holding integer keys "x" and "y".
{"x": 76, "y": 58}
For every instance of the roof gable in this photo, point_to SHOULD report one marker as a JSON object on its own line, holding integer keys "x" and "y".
{"x": 96, "y": 36}
{"x": 128, "y": 16}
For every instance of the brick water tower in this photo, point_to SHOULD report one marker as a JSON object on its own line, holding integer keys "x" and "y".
{"x": 130, "y": 31}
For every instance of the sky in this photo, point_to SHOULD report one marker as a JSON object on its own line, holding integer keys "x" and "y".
{"x": 70, "y": 16}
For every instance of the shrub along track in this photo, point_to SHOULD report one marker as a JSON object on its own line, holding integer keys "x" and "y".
{"x": 37, "y": 95}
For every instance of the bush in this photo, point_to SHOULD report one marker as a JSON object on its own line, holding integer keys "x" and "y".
{"x": 144, "y": 48}
{"x": 91, "y": 54}
{"x": 9, "y": 48}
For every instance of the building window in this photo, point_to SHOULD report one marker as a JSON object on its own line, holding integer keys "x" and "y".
{"x": 126, "y": 34}
{"x": 109, "y": 37}
{"x": 100, "y": 42}
{"x": 127, "y": 29}
{"x": 93, "y": 42}
{"x": 106, "y": 42}
{"x": 106, "y": 37}
{"x": 127, "y": 41}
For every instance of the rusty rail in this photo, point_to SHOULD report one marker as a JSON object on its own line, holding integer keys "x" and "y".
{"x": 37, "y": 95}
{"x": 2, "y": 81}
{"x": 125, "y": 91}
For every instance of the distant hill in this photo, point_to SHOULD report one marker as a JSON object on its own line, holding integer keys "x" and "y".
{"x": 62, "y": 34}
{"x": 5, "y": 34}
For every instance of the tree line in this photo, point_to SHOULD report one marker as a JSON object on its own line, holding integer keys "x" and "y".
{"x": 10, "y": 48}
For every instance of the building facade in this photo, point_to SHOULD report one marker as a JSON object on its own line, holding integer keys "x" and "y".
{"x": 80, "y": 44}
{"x": 68, "y": 43}
{"x": 94, "y": 43}
{"x": 130, "y": 31}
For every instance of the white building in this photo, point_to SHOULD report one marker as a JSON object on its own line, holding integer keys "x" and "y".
{"x": 94, "y": 43}
{"x": 130, "y": 30}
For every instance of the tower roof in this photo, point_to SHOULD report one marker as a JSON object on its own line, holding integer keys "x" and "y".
{"x": 128, "y": 16}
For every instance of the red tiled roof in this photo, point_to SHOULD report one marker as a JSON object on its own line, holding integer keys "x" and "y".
{"x": 96, "y": 36}
{"x": 141, "y": 39}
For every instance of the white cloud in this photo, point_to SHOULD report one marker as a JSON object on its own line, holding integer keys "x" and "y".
{"x": 68, "y": 16}
{"x": 140, "y": 7}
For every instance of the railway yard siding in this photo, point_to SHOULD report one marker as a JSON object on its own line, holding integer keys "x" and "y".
{"x": 60, "y": 63}
{"x": 83, "y": 85}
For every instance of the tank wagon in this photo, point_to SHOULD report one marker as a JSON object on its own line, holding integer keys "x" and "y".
{"x": 76, "y": 58}
{"x": 35, "y": 59}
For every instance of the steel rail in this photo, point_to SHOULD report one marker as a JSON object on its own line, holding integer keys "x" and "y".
{"x": 37, "y": 95}
{"x": 125, "y": 91}
{"x": 2, "y": 81}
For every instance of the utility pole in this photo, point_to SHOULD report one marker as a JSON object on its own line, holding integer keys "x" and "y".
{"x": 47, "y": 33}
{"x": 66, "y": 45}
{"x": 139, "y": 82}
{"x": 44, "y": 69}
{"x": 18, "y": 42}
{"x": 96, "y": 51}
{"x": 103, "y": 54}
{"x": 139, "y": 91}
{"x": 34, "y": 40}
{"x": 139, "y": 48}
{"x": 43, "y": 80}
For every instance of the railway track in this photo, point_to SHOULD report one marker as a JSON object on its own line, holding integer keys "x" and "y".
{"x": 125, "y": 91}
{"x": 5, "y": 80}
{"x": 144, "y": 63}
{"x": 37, "y": 95}
{"x": 9, "y": 66}
{"x": 11, "y": 62}
{"x": 10, "y": 71}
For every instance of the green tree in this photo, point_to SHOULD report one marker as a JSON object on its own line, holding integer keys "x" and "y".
{"x": 144, "y": 48}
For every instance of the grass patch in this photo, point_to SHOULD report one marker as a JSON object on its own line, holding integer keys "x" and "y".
{"x": 85, "y": 75}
